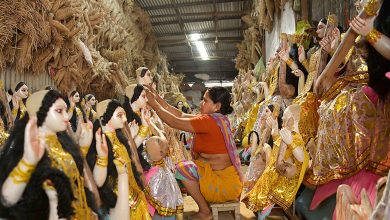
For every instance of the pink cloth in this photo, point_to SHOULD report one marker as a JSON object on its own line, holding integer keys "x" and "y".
{"x": 371, "y": 94}
{"x": 148, "y": 175}
{"x": 388, "y": 75}
{"x": 363, "y": 179}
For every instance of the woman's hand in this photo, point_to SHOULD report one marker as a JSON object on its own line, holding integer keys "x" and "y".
{"x": 145, "y": 117}
{"x": 33, "y": 148}
{"x": 134, "y": 128}
{"x": 362, "y": 26}
{"x": 325, "y": 44}
{"x": 85, "y": 134}
{"x": 286, "y": 136}
{"x": 101, "y": 144}
{"x": 284, "y": 55}
{"x": 271, "y": 123}
{"x": 152, "y": 98}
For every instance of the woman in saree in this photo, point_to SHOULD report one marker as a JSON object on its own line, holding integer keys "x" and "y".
{"x": 214, "y": 174}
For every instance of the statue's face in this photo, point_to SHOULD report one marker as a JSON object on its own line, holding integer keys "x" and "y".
{"x": 321, "y": 30}
{"x": 92, "y": 101}
{"x": 22, "y": 92}
{"x": 146, "y": 80}
{"x": 180, "y": 105}
{"x": 76, "y": 97}
{"x": 57, "y": 118}
{"x": 118, "y": 118}
{"x": 142, "y": 100}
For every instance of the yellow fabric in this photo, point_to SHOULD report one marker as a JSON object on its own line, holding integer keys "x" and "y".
{"x": 137, "y": 199}
{"x": 272, "y": 187}
{"x": 353, "y": 134}
{"x": 3, "y": 133}
{"x": 218, "y": 185}
{"x": 141, "y": 210}
{"x": 309, "y": 118}
{"x": 252, "y": 120}
{"x": 250, "y": 123}
{"x": 62, "y": 160}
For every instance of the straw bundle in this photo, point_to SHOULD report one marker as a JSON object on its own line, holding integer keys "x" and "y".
{"x": 94, "y": 46}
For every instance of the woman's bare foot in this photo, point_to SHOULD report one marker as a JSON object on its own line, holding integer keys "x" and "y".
{"x": 202, "y": 216}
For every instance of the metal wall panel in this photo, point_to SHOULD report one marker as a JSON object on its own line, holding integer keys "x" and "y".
{"x": 35, "y": 82}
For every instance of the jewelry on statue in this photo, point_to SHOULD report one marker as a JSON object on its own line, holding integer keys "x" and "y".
{"x": 289, "y": 62}
{"x": 102, "y": 161}
{"x": 143, "y": 130}
{"x": 371, "y": 8}
{"x": 84, "y": 150}
{"x": 20, "y": 175}
{"x": 373, "y": 36}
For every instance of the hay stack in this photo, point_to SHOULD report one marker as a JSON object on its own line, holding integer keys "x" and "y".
{"x": 94, "y": 46}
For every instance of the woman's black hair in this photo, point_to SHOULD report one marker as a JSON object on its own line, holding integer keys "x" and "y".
{"x": 250, "y": 136}
{"x": 19, "y": 85}
{"x": 183, "y": 138}
{"x": 143, "y": 71}
{"x": 73, "y": 93}
{"x": 89, "y": 97}
{"x": 137, "y": 92}
{"x": 130, "y": 114}
{"x": 34, "y": 203}
{"x": 73, "y": 119}
{"x": 290, "y": 77}
{"x": 324, "y": 21}
{"x": 11, "y": 104}
{"x": 221, "y": 95}
{"x": 377, "y": 64}
{"x": 106, "y": 190}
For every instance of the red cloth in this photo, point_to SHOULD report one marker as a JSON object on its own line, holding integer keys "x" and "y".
{"x": 208, "y": 136}
{"x": 363, "y": 179}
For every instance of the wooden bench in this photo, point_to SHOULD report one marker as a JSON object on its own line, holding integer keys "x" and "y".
{"x": 227, "y": 206}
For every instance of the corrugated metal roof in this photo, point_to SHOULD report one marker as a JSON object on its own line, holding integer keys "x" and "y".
{"x": 197, "y": 9}
{"x": 172, "y": 49}
{"x": 161, "y": 11}
{"x": 229, "y": 23}
{"x": 188, "y": 1}
{"x": 150, "y": 3}
{"x": 198, "y": 17}
{"x": 199, "y": 26}
{"x": 162, "y": 19}
{"x": 231, "y": 6}
{"x": 171, "y": 28}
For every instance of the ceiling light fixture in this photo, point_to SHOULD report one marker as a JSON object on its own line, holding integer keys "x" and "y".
{"x": 200, "y": 46}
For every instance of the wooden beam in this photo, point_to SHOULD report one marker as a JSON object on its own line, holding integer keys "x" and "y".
{"x": 222, "y": 13}
{"x": 196, "y": 20}
{"x": 204, "y": 2}
{"x": 200, "y": 32}
{"x": 163, "y": 43}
